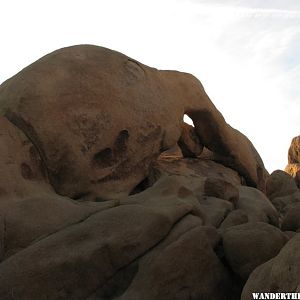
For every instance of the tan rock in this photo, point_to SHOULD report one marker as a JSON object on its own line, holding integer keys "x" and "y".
{"x": 294, "y": 170}
{"x": 104, "y": 105}
{"x": 294, "y": 151}
{"x": 293, "y": 167}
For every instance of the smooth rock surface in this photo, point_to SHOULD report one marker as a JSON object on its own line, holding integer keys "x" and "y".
{"x": 280, "y": 274}
{"x": 291, "y": 218}
{"x": 106, "y": 104}
{"x": 280, "y": 184}
{"x": 98, "y": 202}
{"x": 257, "y": 206}
{"x": 249, "y": 245}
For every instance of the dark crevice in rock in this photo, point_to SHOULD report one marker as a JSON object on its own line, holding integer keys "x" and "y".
{"x": 114, "y": 204}
{"x": 2, "y": 237}
{"x": 121, "y": 141}
{"x": 227, "y": 212}
{"x": 32, "y": 136}
{"x": 80, "y": 196}
{"x": 147, "y": 182}
{"x": 136, "y": 260}
{"x": 142, "y": 186}
{"x": 119, "y": 283}
{"x": 238, "y": 283}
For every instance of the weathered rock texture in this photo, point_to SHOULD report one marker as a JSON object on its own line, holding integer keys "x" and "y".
{"x": 105, "y": 193}
{"x": 293, "y": 167}
{"x": 98, "y": 119}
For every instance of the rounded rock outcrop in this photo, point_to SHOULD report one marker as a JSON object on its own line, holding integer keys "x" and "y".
{"x": 98, "y": 119}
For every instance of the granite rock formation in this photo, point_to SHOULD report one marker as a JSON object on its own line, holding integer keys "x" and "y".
{"x": 293, "y": 167}
{"x": 105, "y": 192}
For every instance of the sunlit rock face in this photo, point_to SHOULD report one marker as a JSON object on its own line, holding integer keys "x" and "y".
{"x": 105, "y": 193}
{"x": 293, "y": 167}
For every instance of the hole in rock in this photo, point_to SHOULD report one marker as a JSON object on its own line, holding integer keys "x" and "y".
{"x": 121, "y": 141}
{"x": 79, "y": 196}
{"x": 143, "y": 185}
{"x": 188, "y": 120}
{"x": 147, "y": 182}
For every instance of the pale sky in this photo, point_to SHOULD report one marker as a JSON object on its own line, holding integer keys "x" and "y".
{"x": 245, "y": 53}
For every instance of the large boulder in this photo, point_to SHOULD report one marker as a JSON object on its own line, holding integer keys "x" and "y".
{"x": 98, "y": 119}
{"x": 249, "y": 245}
{"x": 127, "y": 250}
{"x": 75, "y": 261}
{"x": 280, "y": 274}
{"x": 96, "y": 199}
{"x": 182, "y": 267}
{"x": 291, "y": 218}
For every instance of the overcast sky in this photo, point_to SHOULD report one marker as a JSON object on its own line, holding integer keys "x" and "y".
{"x": 246, "y": 53}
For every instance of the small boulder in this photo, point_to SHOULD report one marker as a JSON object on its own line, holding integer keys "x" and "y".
{"x": 215, "y": 210}
{"x": 257, "y": 206}
{"x": 219, "y": 188}
{"x": 235, "y": 217}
